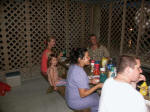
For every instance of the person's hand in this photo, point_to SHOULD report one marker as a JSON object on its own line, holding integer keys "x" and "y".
{"x": 100, "y": 85}
{"x": 94, "y": 81}
{"x": 142, "y": 78}
{"x": 60, "y": 55}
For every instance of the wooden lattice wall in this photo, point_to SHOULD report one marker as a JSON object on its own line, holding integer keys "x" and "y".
{"x": 119, "y": 29}
{"x": 25, "y": 24}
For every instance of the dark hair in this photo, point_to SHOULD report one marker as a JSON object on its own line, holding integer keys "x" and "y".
{"x": 48, "y": 39}
{"x": 77, "y": 53}
{"x": 91, "y": 35}
{"x": 126, "y": 61}
{"x": 50, "y": 58}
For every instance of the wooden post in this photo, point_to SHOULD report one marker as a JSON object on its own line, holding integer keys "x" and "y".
{"x": 123, "y": 27}
{"x": 83, "y": 24}
{"x": 99, "y": 35}
{"x": 48, "y": 17}
{"x": 96, "y": 21}
{"x": 91, "y": 20}
{"x": 4, "y": 41}
{"x": 28, "y": 33}
{"x": 109, "y": 27}
{"x": 67, "y": 27}
{"x": 140, "y": 29}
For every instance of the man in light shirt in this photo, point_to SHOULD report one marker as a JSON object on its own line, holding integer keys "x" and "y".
{"x": 119, "y": 93}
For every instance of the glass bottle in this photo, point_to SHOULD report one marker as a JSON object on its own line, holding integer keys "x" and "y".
{"x": 103, "y": 75}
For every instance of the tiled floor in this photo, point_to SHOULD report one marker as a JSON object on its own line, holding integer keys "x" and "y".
{"x": 31, "y": 97}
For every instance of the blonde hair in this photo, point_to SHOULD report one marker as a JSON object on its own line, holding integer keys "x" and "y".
{"x": 49, "y": 38}
{"x": 50, "y": 57}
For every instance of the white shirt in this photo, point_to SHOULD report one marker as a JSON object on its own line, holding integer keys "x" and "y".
{"x": 120, "y": 97}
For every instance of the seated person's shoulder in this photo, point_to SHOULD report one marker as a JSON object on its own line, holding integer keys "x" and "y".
{"x": 102, "y": 46}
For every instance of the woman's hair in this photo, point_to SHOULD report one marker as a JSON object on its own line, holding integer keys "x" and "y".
{"x": 50, "y": 58}
{"x": 48, "y": 39}
{"x": 76, "y": 54}
{"x": 126, "y": 61}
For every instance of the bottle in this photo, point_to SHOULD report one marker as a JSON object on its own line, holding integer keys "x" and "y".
{"x": 104, "y": 62}
{"x": 96, "y": 68}
{"x": 110, "y": 64}
{"x": 112, "y": 72}
{"x": 64, "y": 53}
{"x": 92, "y": 65}
{"x": 103, "y": 76}
{"x": 144, "y": 88}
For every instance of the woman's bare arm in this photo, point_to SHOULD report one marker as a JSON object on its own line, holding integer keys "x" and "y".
{"x": 49, "y": 76}
{"x": 86, "y": 92}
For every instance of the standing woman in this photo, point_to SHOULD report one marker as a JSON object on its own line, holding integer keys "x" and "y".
{"x": 79, "y": 95}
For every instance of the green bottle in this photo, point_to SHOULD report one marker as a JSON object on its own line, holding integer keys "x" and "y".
{"x": 103, "y": 76}
{"x": 64, "y": 53}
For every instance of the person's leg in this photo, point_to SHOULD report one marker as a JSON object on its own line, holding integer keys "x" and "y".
{"x": 95, "y": 100}
{"x": 91, "y": 101}
{"x": 61, "y": 82}
{"x": 50, "y": 88}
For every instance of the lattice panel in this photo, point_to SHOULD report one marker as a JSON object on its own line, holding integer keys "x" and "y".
{"x": 38, "y": 29}
{"x": 58, "y": 23}
{"x": 15, "y": 28}
{"x": 116, "y": 25}
{"x": 144, "y": 51}
{"x": 28, "y": 22}
{"x": 131, "y": 29}
{"x": 104, "y": 24}
{"x": 75, "y": 24}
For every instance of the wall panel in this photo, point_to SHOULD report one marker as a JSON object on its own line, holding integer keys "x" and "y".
{"x": 25, "y": 24}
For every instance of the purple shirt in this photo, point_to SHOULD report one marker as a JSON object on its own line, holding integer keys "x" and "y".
{"x": 76, "y": 78}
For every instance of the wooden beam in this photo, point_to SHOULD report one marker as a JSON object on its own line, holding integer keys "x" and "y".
{"x": 48, "y": 17}
{"x": 91, "y": 20}
{"x": 67, "y": 27}
{"x": 83, "y": 25}
{"x": 140, "y": 29}
{"x": 4, "y": 40}
{"x": 28, "y": 33}
{"x": 123, "y": 27}
{"x": 109, "y": 25}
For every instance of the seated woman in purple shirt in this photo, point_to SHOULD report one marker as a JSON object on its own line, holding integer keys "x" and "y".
{"x": 78, "y": 93}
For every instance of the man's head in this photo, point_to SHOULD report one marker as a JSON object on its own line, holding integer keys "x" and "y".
{"x": 130, "y": 66}
{"x": 93, "y": 39}
{"x": 51, "y": 41}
